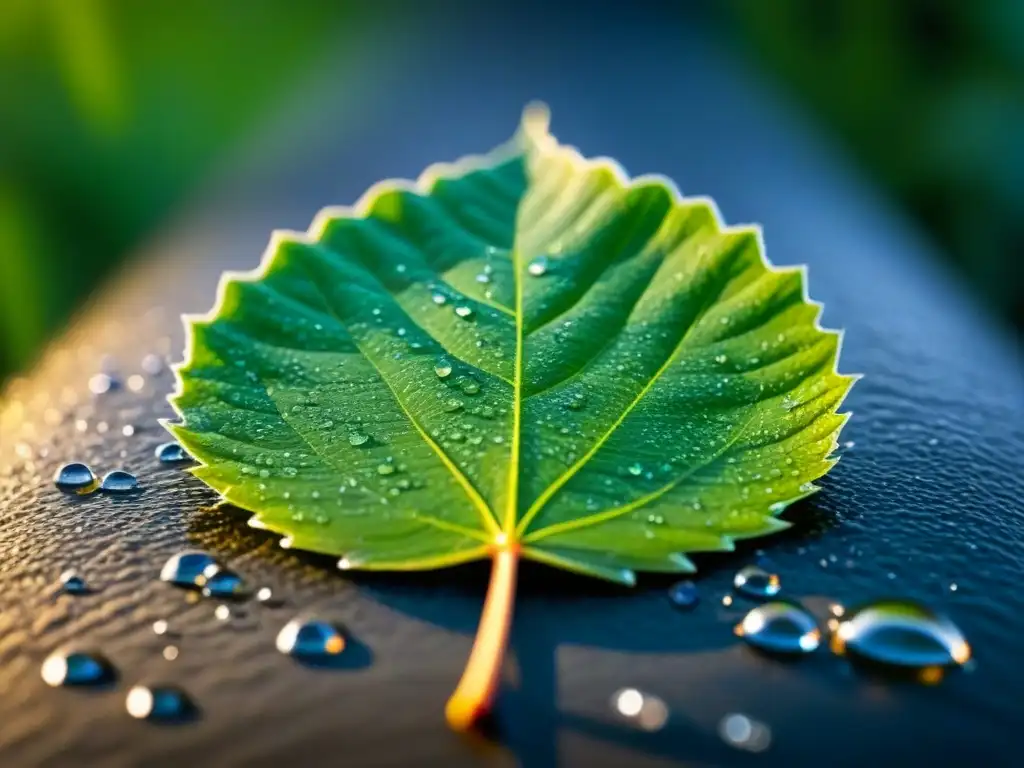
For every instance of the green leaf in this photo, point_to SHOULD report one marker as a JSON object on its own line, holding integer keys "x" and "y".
{"x": 521, "y": 354}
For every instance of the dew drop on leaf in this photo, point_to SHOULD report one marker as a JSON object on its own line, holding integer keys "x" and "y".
{"x": 358, "y": 438}
{"x": 443, "y": 369}
{"x": 538, "y": 266}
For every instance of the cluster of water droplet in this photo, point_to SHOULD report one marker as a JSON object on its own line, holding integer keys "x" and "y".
{"x": 890, "y": 633}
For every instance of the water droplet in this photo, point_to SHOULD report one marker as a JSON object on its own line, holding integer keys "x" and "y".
{"x": 780, "y": 627}
{"x": 463, "y": 311}
{"x": 577, "y": 402}
{"x": 73, "y": 584}
{"x": 75, "y": 478}
{"x": 538, "y": 267}
{"x": 684, "y": 594}
{"x": 186, "y": 569}
{"x": 357, "y": 439}
{"x": 439, "y": 299}
{"x": 635, "y": 469}
{"x": 646, "y": 711}
{"x": 443, "y": 369}
{"x": 310, "y": 640}
{"x": 159, "y": 703}
{"x": 899, "y": 633}
{"x": 222, "y": 582}
{"x": 754, "y": 581}
{"x": 119, "y": 481}
{"x": 721, "y": 359}
{"x": 452, "y": 404}
{"x": 171, "y": 453}
{"x": 386, "y": 468}
{"x": 739, "y": 731}
{"x": 74, "y": 668}
{"x": 469, "y": 386}
{"x": 483, "y": 278}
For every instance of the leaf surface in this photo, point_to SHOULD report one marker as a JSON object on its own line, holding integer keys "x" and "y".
{"x": 523, "y": 350}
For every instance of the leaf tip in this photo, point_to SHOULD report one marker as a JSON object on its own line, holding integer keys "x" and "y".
{"x": 536, "y": 118}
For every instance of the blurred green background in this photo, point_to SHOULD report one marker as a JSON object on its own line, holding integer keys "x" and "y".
{"x": 112, "y": 112}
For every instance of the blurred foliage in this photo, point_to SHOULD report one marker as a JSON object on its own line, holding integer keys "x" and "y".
{"x": 110, "y": 112}
{"x": 929, "y": 95}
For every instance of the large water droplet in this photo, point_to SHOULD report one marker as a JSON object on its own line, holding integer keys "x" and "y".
{"x": 73, "y": 584}
{"x": 538, "y": 266}
{"x": 754, "y": 581}
{"x": 684, "y": 594}
{"x": 780, "y": 627}
{"x": 187, "y": 569}
{"x": 443, "y": 369}
{"x": 439, "y": 298}
{"x": 899, "y": 633}
{"x": 119, "y": 481}
{"x": 75, "y": 478}
{"x": 222, "y": 582}
{"x": 469, "y": 386}
{"x": 77, "y": 668}
{"x": 160, "y": 703}
{"x": 311, "y": 640}
{"x": 463, "y": 311}
{"x": 171, "y": 453}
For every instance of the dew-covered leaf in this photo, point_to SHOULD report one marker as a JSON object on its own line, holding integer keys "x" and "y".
{"x": 520, "y": 352}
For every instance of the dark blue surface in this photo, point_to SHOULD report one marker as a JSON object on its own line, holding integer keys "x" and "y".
{"x": 930, "y": 494}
